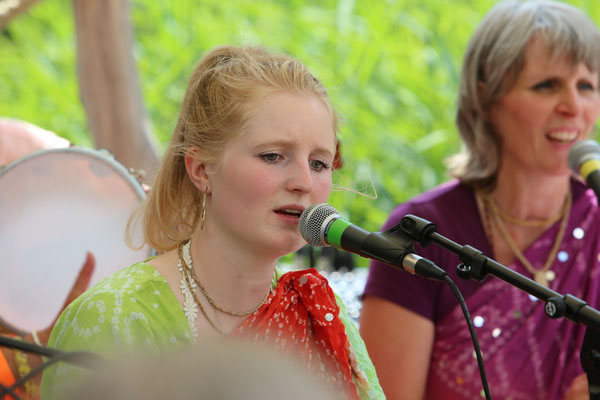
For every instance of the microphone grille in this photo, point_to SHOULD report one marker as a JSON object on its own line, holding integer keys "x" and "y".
{"x": 311, "y": 223}
{"x": 581, "y": 152}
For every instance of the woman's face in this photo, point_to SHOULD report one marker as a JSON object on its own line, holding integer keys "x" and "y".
{"x": 279, "y": 165}
{"x": 551, "y": 106}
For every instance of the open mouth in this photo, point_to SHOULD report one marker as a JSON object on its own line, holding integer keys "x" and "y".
{"x": 290, "y": 212}
{"x": 562, "y": 137}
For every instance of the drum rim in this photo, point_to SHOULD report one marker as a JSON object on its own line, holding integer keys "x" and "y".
{"x": 100, "y": 154}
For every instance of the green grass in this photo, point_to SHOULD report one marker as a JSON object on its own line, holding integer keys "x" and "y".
{"x": 391, "y": 68}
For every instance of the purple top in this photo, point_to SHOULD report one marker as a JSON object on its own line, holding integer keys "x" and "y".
{"x": 452, "y": 207}
{"x": 522, "y": 355}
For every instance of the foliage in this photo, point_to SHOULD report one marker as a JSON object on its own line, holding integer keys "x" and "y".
{"x": 391, "y": 66}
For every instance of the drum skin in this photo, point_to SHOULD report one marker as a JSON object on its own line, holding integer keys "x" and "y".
{"x": 55, "y": 206}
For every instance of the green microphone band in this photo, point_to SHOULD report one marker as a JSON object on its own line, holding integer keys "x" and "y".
{"x": 336, "y": 229}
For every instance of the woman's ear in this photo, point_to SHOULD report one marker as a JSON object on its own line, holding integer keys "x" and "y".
{"x": 480, "y": 100}
{"x": 480, "y": 89}
{"x": 196, "y": 170}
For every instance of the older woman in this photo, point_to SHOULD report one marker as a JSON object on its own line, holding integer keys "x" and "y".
{"x": 253, "y": 147}
{"x": 529, "y": 91}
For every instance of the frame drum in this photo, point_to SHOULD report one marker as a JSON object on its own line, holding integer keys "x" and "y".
{"x": 56, "y": 205}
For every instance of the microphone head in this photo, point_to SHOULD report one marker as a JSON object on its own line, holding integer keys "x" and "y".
{"x": 581, "y": 152}
{"x": 312, "y": 223}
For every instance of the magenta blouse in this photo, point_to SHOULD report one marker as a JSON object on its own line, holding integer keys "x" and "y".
{"x": 526, "y": 354}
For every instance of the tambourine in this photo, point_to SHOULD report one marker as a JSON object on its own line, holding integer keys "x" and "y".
{"x": 55, "y": 206}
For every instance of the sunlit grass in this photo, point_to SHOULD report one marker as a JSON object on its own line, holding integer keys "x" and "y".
{"x": 391, "y": 67}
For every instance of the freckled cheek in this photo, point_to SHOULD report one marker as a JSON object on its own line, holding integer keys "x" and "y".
{"x": 322, "y": 190}
{"x": 251, "y": 186}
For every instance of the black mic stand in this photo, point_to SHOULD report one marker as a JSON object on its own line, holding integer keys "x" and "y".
{"x": 475, "y": 266}
{"x": 28, "y": 347}
{"x": 81, "y": 358}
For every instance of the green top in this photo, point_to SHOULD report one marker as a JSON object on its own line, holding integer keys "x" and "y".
{"x": 135, "y": 308}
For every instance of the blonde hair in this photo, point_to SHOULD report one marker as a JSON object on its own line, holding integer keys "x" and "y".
{"x": 222, "y": 92}
{"x": 492, "y": 63}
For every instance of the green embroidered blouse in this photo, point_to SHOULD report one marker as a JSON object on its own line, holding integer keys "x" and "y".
{"x": 135, "y": 308}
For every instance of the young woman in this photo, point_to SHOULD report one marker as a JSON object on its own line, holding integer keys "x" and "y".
{"x": 253, "y": 147}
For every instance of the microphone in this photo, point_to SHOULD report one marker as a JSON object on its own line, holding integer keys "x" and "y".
{"x": 584, "y": 159}
{"x": 321, "y": 225}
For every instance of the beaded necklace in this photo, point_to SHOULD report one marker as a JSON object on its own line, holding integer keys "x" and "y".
{"x": 542, "y": 275}
{"x": 188, "y": 271}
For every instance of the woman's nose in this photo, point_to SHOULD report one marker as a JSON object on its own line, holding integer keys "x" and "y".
{"x": 300, "y": 178}
{"x": 569, "y": 102}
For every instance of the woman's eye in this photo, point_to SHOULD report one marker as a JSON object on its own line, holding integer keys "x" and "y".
{"x": 544, "y": 85}
{"x": 271, "y": 157}
{"x": 586, "y": 86}
{"x": 318, "y": 165}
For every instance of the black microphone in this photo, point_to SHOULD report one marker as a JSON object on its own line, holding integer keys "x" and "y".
{"x": 584, "y": 160}
{"x": 321, "y": 225}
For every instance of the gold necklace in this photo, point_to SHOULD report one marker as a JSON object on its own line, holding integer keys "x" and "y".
{"x": 538, "y": 274}
{"x": 536, "y": 223}
{"x": 487, "y": 223}
{"x": 189, "y": 284}
{"x": 191, "y": 271}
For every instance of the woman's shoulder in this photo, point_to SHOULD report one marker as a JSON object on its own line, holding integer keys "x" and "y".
{"x": 133, "y": 296}
{"x": 449, "y": 192}
{"x": 136, "y": 277}
{"x": 134, "y": 308}
{"x": 441, "y": 201}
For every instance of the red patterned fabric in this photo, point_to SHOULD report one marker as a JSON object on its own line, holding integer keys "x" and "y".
{"x": 301, "y": 317}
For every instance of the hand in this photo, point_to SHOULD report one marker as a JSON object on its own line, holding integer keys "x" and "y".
{"x": 81, "y": 284}
{"x": 579, "y": 389}
{"x": 33, "y": 361}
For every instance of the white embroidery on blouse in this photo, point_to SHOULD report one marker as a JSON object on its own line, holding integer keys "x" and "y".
{"x": 190, "y": 308}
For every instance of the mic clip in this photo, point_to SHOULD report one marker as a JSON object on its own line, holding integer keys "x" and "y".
{"x": 418, "y": 229}
{"x": 423, "y": 231}
{"x": 389, "y": 246}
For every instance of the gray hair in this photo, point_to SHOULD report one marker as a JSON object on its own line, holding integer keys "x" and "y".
{"x": 495, "y": 57}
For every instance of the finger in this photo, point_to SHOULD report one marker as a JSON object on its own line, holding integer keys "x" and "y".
{"x": 80, "y": 285}
{"x": 83, "y": 279}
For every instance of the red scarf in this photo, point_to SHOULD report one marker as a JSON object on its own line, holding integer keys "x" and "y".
{"x": 301, "y": 316}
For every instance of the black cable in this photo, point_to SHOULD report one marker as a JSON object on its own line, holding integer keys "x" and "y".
{"x": 27, "y": 347}
{"x": 79, "y": 358}
{"x": 465, "y": 310}
{"x": 5, "y": 390}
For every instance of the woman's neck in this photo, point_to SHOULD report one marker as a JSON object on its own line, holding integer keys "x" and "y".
{"x": 235, "y": 277}
{"x": 530, "y": 197}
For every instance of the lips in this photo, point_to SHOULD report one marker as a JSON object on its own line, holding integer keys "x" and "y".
{"x": 290, "y": 211}
{"x": 562, "y": 136}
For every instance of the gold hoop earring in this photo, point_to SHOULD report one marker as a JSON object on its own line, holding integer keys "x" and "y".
{"x": 203, "y": 210}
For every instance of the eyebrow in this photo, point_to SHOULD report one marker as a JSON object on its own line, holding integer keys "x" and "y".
{"x": 287, "y": 143}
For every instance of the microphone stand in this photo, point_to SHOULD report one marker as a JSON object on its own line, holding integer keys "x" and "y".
{"x": 28, "y": 347}
{"x": 80, "y": 358}
{"x": 475, "y": 265}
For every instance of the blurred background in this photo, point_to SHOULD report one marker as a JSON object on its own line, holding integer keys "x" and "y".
{"x": 391, "y": 67}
